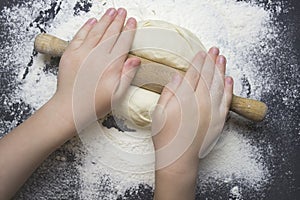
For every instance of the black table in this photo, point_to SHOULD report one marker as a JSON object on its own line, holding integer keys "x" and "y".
{"x": 281, "y": 127}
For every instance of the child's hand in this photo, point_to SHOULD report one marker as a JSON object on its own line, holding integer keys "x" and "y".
{"x": 92, "y": 70}
{"x": 189, "y": 109}
{"x": 95, "y": 67}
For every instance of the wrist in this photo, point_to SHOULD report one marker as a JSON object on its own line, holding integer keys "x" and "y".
{"x": 186, "y": 177}
{"x": 174, "y": 185}
{"x": 78, "y": 113}
{"x": 182, "y": 170}
{"x": 179, "y": 178}
{"x": 187, "y": 162}
{"x": 60, "y": 112}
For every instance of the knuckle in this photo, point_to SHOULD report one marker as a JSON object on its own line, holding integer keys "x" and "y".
{"x": 68, "y": 58}
{"x": 93, "y": 34}
{"x": 118, "y": 21}
{"x": 77, "y": 39}
{"x": 194, "y": 76}
{"x": 165, "y": 92}
{"x": 106, "y": 20}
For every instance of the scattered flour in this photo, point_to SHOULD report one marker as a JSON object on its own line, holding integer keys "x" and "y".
{"x": 237, "y": 28}
{"x": 235, "y": 193}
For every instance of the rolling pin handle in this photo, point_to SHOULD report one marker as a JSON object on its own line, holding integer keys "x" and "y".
{"x": 249, "y": 108}
{"x": 50, "y": 45}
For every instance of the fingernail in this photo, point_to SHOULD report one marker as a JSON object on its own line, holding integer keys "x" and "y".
{"x": 131, "y": 23}
{"x": 215, "y": 50}
{"x": 111, "y": 11}
{"x": 91, "y": 21}
{"x": 121, "y": 11}
{"x": 136, "y": 63}
{"x": 221, "y": 60}
{"x": 229, "y": 80}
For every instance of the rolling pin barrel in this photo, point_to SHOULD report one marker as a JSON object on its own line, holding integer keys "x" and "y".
{"x": 249, "y": 108}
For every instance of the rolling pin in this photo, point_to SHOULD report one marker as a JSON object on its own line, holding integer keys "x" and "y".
{"x": 158, "y": 75}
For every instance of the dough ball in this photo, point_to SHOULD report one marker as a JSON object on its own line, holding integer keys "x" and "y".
{"x": 164, "y": 43}
{"x": 136, "y": 106}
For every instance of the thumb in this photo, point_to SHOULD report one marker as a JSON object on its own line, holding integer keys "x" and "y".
{"x": 169, "y": 90}
{"x": 129, "y": 70}
{"x": 159, "y": 116}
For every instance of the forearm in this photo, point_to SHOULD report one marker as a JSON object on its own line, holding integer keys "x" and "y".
{"x": 23, "y": 150}
{"x": 178, "y": 180}
{"x": 170, "y": 186}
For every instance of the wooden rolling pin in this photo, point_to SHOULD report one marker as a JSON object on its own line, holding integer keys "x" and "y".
{"x": 153, "y": 72}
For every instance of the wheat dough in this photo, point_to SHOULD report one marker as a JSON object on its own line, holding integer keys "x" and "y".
{"x": 164, "y": 43}
{"x": 136, "y": 106}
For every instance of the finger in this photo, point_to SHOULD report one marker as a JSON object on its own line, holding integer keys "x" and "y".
{"x": 159, "y": 115}
{"x": 129, "y": 70}
{"x": 221, "y": 69}
{"x": 115, "y": 28}
{"x": 123, "y": 44}
{"x": 208, "y": 69}
{"x": 169, "y": 90}
{"x": 202, "y": 92}
{"x": 228, "y": 93}
{"x": 193, "y": 73}
{"x": 95, "y": 35}
{"x": 217, "y": 87}
{"x": 82, "y": 33}
{"x": 221, "y": 64}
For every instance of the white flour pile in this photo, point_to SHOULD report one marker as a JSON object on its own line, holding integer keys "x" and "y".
{"x": 237, "y": 28}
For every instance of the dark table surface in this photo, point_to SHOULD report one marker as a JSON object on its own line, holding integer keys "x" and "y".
{"x": 281, "y": 127}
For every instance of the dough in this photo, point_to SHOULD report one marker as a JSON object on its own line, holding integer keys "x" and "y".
{"x": 164, "y": 43}
{"x": 136, "y": 106}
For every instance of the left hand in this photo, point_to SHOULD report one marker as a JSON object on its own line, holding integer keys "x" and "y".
{"x": 94, "y": 67}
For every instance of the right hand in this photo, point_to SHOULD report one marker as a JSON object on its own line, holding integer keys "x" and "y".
{"x": 190, "y": 109}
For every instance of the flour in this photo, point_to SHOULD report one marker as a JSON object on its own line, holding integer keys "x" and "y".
{"x": 235, "y": 193}
{"x": 239, "y": 163}
{"x": 237, "y": 28}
